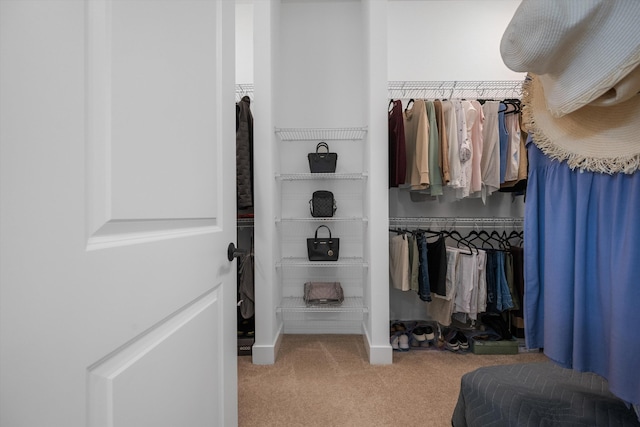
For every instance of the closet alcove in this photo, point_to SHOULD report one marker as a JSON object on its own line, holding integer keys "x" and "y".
{"x": 327, "y": 65}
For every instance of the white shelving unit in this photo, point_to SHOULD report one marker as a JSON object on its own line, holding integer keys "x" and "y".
{"x": 295, "y": 224}
{"x": 320, "y": 76}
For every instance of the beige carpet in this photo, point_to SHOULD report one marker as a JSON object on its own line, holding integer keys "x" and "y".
{"x": 326, "y": 380}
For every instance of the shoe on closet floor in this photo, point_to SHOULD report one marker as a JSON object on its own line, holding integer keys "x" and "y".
{"x": 403, "y": 342}
{"x": 463, "y": 342}
{"x": 429, "y": 332}
{"x": 419, "y": 334}
{"x": 398, "y": 327}
{"x": 395, "y": 343}
{"x": 398, "y": 337}
{"x": 451, "y": 341}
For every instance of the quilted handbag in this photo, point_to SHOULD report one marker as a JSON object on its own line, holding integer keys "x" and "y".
{"x": 323, "y": 294}
{"x": 322, "y": 204}
{"x": 323, "y": 248}
{"x": 322, "y": 162}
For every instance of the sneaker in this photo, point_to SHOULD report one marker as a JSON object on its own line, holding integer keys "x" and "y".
{"x": 398, "y": 327}
{"x": 403, "y": 342}
{"x": 419, "y": 334}
{"x": 451, "y": 342}
{"x": 394, "y": 343}
{"x": 462, "y": 341}
{"x": 430, "y": 334}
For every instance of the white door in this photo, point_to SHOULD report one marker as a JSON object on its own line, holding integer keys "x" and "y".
{"x": 117, "y": 203}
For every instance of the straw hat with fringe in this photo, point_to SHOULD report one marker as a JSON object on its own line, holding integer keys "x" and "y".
{"x": 581, "y": 99}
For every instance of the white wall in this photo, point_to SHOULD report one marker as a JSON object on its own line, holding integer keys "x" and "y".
{"x": 244, "y": 42}
{"x": 321, "y": 82}
{"x": 448, "y": 39}
{"x": 427, "y": 39}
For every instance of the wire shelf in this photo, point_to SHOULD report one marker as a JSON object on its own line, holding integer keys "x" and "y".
{"x": 321, "y": 134}
{"x": 245, "y": 222}
{"x": 497, "y": 89}
{"x": 297, "y": 304}
{"x": 458, "y": 222}
{"x": 323, "y": 219}
{"x": 304, "y": 262}
{"x": 244, "y": 89}
{"x": 314, "y": 176}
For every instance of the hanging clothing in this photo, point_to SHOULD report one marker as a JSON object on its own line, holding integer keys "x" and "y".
{"x": 444, "y": 143}
{"x": 466, "y": 116}
{"x": 246, "y": 285}
{"x": 399, "y": 273}
{"x": 435, "y": 172}
{"x": 424, "y": 291}
{"x": 416, "y": 132}
{"x": 454, "y": 149}
{"x": 244, "y": 154}
{"x": 437, "y": 262}
{"x": 498, "y": 293}
{"x": 582, "y": 271}
{"x": 397, "y": 147}
{"x": 511, "y": 283}
{"x": 477, "y": 143}
{"x": 518, "y": 278}
{"x": 504, "y": 141}
{"x": 520, "y": 184}
{"x": 512, "y": 125}
{"x": 490, "y": 163}
{"x": 441, "y": 307}
{"x": 481, "y": 294}
{"x": 414, "y": 262}
{"x": 467, "y": 280}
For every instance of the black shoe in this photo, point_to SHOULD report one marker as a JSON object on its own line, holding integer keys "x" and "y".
{"x": 452, "y": 342}
{"x": 462, "y": 341}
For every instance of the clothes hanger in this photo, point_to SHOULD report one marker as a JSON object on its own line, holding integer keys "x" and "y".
{"x": 398, "y": 231}
{"x": 411, "y": 101}
{"x": 497, "y": 238}
{"x": 483, "y": 236}
{"x": 457, "y": 237}
{"x": 515, "y": 103}
{"x": 428, "y": 234}
{"x": 516, "y": 235}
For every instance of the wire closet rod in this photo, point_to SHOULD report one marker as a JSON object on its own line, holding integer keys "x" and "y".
{"x": 458, "y": 222}
{"x": 496, "y": 89}
{"x": 435, "y": 89}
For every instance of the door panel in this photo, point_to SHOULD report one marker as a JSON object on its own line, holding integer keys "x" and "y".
{"x": 151, "y": 117}
{"x": 132, "y": 387}
{"x": 162, "y": 99}
{"x": 117, "y": 203}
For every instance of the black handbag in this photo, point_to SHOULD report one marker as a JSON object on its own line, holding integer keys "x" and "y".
{"x": 322, "y": 204}
{"x": 323, "y": 248}
{"x": 322, "y": 162}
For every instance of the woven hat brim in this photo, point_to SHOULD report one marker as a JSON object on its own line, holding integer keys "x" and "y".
{"x": 596, "y": 139}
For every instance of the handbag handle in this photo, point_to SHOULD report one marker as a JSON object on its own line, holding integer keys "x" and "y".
{"x": 320, "y": 145}
{"x": 319, "y": 227}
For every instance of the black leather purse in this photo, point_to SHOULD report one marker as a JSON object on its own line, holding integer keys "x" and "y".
{"x": 323, "y": 248}
{"x": 322, "y": 204}
{"x": 322, "y": 162}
